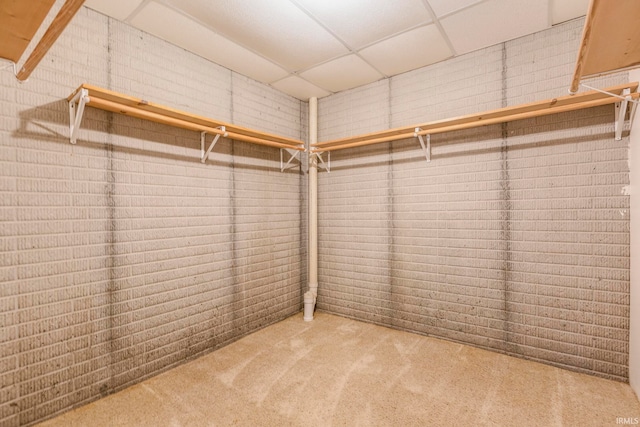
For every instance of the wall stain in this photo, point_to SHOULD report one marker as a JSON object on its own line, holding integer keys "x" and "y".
{"x": 393, "y": 309}
{"x": 237, "y": 305}
{"x": 110, "y": 190}
{"x": 505, "y": 218}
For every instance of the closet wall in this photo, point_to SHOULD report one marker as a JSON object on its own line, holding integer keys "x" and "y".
{"x": 123, "y": 255}
{"x": 514, "y": 237}
{"x": 634, "y": 303}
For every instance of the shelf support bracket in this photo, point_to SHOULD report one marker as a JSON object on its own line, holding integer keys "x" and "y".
{"x": 621, "y": 112}
{"x": 632, "y": 115}
{"x": 325, "y": 166}
{"x": 76, "y": 111}
{"x": 425, "y": 149}
{"x": 623, "y": 96}
{"x": 204, "y": 155}
{"x": 293, "y": 154}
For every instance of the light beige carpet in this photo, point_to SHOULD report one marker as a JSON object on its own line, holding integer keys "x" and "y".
{"x": 339, "y": 372}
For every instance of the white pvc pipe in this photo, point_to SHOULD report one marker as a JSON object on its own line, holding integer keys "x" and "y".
{"x": 312, "y": 294}
{"x": 309, "y": 305}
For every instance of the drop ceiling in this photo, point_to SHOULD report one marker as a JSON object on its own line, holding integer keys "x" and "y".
{"x": 318, "y": 47}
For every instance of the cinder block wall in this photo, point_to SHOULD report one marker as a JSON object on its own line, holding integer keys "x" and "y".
{"x": 124, "y": 255}
{"x": 634, "y": 297}
{"x": 514, "y": 237}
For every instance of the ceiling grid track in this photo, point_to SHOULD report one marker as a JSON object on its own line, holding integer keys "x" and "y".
{"x": 309, "y": 49}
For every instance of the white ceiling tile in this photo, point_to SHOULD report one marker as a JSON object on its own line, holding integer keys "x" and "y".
{"x": 408, "y": 51}
{"x": 564, "y": 10}
{"x": 362, "y": 22}
{"x": 170, "y": 25}
{"x": 342, "y": 73}
{"x": 119, "y": 10}
{"x": 266, "y": 40}
{"x": 495, "y": 21}
{"x": 444, "y": 7}
{"x": 298, "y": 88}
{"x": 277, "y": 29}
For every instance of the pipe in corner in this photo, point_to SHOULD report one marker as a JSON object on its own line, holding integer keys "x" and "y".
{"x": 312, "y": 294}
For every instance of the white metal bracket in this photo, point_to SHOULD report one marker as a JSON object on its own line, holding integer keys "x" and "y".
{"x": 325, "y": 166}
{"x": 623, "y": 96}
{"x": 425, "y": 149}
{"x": 621, "y": 108}
{"x": 76, "y": 111}
{"x": 621, "y": 112}
{"x": 632, "y": 115}
{"x": 293, "y": 154}
{"x": 204, "y": 155}
{"x": 8, "y": 65}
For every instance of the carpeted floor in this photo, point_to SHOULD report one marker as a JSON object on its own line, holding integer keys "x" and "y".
{"x": 339, "y": 372}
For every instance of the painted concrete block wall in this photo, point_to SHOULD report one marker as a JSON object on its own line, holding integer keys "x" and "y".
{"x": 514, "y": 237}
{"x": 634, "y": 319}
{"x": 123, "y": 255}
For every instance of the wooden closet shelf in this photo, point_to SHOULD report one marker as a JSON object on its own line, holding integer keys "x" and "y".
{"x": 610, "y": 39}
{"x": 501, "y": 115}
{"x": 108, "y": 100}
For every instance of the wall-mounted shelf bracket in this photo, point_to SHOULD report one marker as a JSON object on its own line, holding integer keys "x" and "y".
{"x": 621, "y": 107}
{"x": 425, "y": 149}
{"x": 204, "y": 155}
{"x": 76, "y": 111}
{"x": 9, "y": 65}
{"x": 632, "y": 115}
{"x": 293, "y": 154}
{"x": 325, "y": 166}
{"x": 621, "y": 112}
